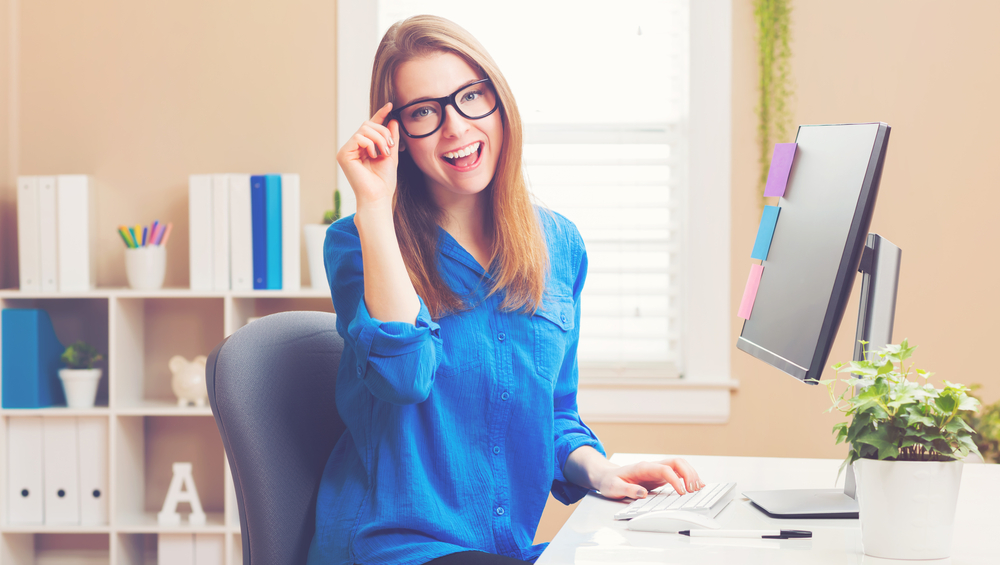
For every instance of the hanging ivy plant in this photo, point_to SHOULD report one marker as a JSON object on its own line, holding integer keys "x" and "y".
{"x": 774, "y": 55}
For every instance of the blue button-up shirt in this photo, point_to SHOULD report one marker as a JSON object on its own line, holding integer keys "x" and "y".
{"x": 457, "y": 429}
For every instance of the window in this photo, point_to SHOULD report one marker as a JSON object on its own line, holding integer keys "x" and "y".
{"x": 603, "y": 90}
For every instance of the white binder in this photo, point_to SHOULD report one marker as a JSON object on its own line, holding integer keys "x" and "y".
{"x": 291, "y": 233}
{"x": 24, "y": 470}
{"x": 241, "y": 232}
{"x": 175, "y": 549}
{"x": 93, "y": 445}
{"x": 28, "y": 248}
{"x": 77, "y": 218}
{"x": 200, "y": 232}
{"x": 220, "y": 232}
{"x": 61, "y": 470}
{"x": 209, "y": 549}
{"x": 47, "y": 234}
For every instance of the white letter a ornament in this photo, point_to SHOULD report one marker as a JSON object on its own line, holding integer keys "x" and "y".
{"x": 181, "y": 489}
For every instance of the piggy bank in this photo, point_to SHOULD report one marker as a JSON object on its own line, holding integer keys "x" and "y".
{"x": 188, "y": 381}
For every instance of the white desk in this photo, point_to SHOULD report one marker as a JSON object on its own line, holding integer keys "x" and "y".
{"x": 591, "y": 536}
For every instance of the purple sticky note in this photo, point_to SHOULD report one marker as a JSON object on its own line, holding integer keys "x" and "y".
{"x": 750, "y": 292}
{"x": 781, "y": 164}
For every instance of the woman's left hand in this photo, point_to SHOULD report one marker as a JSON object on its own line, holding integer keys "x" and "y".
{"x": 636, "y": 480}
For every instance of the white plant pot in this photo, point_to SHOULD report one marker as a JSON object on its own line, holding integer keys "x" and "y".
{"x": 315, "y": 237}
{"x": 907, "y": 507}
{"x": 80, "y": 386}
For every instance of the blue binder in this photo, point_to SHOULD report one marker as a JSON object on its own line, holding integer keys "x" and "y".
{"x": 31, "y": 364}
{"x": 258, "y": 207}
{"x": 273, "y": 231}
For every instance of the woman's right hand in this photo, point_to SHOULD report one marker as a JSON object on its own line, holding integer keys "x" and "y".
{"x": 369, "y": 159}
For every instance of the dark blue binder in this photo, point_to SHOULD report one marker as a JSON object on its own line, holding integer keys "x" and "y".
{"x": 258, "y": 213}
{"x": 31, "y": 364}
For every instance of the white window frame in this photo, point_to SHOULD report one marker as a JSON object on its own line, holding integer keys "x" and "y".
{"x": 702, "y": 394}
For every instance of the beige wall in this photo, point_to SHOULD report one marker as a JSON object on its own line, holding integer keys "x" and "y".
{"x": 143, "y": 94}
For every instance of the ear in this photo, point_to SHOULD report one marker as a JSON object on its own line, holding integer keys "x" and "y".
{"x": 176, "y": 363}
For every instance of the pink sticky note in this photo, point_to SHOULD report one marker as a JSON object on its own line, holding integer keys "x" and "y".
{"x": 750, "y": 292}
{"x": 781, "y": 164}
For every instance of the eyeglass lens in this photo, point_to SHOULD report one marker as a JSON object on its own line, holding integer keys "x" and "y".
{"x": 473, "y": 102}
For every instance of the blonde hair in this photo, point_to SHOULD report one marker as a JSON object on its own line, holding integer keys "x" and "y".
{"x": 519, "y": 254}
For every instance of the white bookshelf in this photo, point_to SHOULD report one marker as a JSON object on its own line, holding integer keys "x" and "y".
{"x": 138, "y": 331}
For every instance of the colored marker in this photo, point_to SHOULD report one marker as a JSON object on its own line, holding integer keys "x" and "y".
{"x": 144, "y": 231}
{"x": 166, "y": 234}
{"x": 121, "y": 232}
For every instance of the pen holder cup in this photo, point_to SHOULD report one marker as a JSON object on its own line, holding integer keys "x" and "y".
{"x": 145, "y": 267}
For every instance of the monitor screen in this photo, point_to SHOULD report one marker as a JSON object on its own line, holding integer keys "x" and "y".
{"x": 816, "y": 248}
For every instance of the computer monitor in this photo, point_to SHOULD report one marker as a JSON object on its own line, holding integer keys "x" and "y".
{"x": 820, "y": 242}
{"x": 817, "y": 247}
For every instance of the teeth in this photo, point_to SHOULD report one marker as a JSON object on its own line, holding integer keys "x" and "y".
{"x": 463, "y": 152}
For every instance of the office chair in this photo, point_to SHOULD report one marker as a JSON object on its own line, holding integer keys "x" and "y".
{"x": 272, "y": 388}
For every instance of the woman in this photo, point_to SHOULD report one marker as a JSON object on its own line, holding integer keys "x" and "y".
{"x": 459, "y": 304}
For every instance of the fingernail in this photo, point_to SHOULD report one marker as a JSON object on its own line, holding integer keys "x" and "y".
{"x": 390, "y": 141}
{"x": 641, "y": 493}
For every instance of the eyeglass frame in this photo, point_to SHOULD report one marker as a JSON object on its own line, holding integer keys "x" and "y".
{"x": 444, "y": 102}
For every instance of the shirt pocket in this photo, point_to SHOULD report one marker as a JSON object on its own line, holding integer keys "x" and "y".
{"x": 552, "y": 324}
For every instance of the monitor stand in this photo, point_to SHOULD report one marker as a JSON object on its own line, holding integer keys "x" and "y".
{"x": 879, "y": 270}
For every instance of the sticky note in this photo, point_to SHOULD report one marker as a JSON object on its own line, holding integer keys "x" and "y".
{"x": 765, "y": 232}
{"x": 750, "y": 292}
{"x": 781, "y": 164}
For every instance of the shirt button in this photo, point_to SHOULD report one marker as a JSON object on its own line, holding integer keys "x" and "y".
{"x": 496, "y": 449}
{"x": 504, "y": 396}
{"x": 499, "y": 511}
{"x": 359, "y": 371}
{"x": 502, "y": 336}
{"x": 562, "y": 318}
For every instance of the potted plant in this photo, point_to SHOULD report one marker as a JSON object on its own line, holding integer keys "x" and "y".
{"x": 315, "y": 237}
{"x": 80, "y": 378}
{"x": 907, "y": 441}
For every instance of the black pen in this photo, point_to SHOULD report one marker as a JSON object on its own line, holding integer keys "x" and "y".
{"x": 762, "y": 534}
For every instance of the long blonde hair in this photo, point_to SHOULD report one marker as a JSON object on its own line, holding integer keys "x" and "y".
{"x": 519, "y": 256}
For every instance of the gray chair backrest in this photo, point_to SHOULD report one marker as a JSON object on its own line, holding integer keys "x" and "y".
{"x": 272, "y": 388}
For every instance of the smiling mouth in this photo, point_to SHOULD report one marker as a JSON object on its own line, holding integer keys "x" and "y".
{"x": 465, "y": 157}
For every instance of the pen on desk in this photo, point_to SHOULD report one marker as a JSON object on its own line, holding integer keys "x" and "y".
{"x": 762, "y": 534}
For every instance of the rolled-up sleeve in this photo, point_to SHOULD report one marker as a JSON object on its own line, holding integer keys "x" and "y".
{"x": 570, "y": 431}
{"x": 396, "y": 360}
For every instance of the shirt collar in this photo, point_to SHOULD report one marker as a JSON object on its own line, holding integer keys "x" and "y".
{"x": 448, "y": 246}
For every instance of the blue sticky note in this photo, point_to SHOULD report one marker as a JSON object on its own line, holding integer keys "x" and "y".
{"x": 765, "y": 232}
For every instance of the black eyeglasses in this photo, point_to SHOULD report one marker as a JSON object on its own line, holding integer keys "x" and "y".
{"x": 424, "y": 117}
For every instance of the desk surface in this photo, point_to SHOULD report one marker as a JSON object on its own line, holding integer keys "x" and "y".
{"x": 591, "y": 536}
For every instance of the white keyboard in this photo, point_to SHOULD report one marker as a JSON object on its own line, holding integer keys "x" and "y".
{"x": 709, "y": 500}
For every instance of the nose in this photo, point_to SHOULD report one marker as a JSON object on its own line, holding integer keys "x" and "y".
{"x": 454, "y": 124}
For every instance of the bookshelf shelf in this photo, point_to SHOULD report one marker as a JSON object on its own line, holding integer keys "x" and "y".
{"x": 147, "y": 430}
{"x": 54, "y": 529}
{"x": 57, "y": 411}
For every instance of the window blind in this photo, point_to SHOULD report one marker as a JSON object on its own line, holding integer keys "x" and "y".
{"x": 619, "y": 184}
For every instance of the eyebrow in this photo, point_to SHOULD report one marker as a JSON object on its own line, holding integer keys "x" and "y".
{"x": 425, "y": 98}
